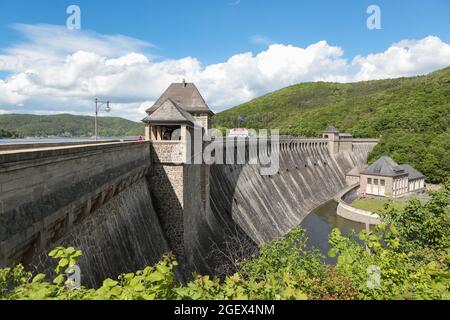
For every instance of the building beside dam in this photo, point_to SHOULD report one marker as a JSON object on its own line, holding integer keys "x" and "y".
{"x": 125, "y": 204}
{"x": 386, "y": 178}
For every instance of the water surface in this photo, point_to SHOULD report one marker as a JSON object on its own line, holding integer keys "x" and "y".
{"x": 319, "y": 224}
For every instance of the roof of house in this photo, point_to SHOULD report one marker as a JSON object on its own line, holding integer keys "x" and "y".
{"x": 185, "y": 95}
{"x": 412, "y": 173}
{"x": 385, "y": 166}
{"x": 169, "y": 112}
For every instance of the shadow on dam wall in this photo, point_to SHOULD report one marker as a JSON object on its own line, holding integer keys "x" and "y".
{"x": 123, "y": 235}
{"x": 95, "y": 198}
{"x": 266, "y": 207}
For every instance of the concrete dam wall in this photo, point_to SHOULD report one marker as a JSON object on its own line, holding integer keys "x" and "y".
{"x": 95, "y": 198}
{"x": 269, "y": 206}
{"x": 126, "y": 204}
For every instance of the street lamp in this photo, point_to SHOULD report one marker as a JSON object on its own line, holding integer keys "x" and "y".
{"x": 98, "y": 105}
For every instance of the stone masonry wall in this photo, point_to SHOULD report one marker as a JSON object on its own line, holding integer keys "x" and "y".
{"x": 168, "y": 152}
{"x": 167, "y": 189}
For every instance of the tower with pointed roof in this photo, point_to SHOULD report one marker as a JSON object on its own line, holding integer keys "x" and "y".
{"x": 179, "y": 186}
{"x": 181, "y": 105}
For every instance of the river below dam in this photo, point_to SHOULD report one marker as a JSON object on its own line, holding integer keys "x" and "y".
{"x": 319, "y": 224}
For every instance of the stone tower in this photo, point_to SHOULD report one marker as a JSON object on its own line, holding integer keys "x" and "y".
{"x": 179, "y": 186}
{"x": 332, "y": 134}
{"x": 338, "y": 142}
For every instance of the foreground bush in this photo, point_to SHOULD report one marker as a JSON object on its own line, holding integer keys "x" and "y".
{"x": 408, "y": 257}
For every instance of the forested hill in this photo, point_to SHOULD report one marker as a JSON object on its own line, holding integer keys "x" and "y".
{"x": 66, "y": 125}
{"x": 410, "y": 115}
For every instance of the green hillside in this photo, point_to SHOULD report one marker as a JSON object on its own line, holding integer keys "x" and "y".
{"x": 410, "y": 115}
{"x": 66, "y": 125}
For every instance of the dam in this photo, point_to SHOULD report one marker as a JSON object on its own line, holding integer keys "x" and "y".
{"x": 125, "y": 204}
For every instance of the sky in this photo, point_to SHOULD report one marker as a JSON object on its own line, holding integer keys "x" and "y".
{"x": 234, "y": 50}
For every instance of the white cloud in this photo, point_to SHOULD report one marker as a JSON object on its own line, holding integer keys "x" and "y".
{"x": 56, "y": 70}
{"x": 9, "y": 91}
{"x": 405, "y": 58}
{"x": 261, "y": 40}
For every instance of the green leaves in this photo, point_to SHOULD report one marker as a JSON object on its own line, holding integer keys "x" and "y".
{"x": 407, "y": 257}
{"x": 38, "y": 278}
{"x": 67, "y": 257}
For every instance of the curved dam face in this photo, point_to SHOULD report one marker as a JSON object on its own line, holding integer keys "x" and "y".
{"x": 266, "y": 207}
{"x": 95, "y": 198}
{"x": 126, "y": 204}
{"x": 122, "y": 235}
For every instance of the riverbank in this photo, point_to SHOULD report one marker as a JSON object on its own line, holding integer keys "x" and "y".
{"x": 346, "y": 210}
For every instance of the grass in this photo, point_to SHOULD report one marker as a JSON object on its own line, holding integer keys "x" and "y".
{"x": 376, "y": 205}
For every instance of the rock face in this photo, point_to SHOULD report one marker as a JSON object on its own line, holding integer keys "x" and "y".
{"x": 269, "y": 206}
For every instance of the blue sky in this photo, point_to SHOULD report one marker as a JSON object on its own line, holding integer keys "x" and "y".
{"x": 213, "y": 30}
{"x": 210, "y": 33}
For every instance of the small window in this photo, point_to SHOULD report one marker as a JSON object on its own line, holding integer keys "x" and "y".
{"x": 375, "y": 182}
{"x": 369, "y": 180}
{"x": 382, "y": 182}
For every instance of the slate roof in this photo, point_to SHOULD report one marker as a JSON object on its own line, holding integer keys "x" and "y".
{"x": 385, "y": 166}
{"x": 185, "y": 95}
{"x": 169, "y": 112}
{"x": 412, "y": 173}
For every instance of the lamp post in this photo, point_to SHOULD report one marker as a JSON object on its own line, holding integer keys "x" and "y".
{"x": 98, "y": 105}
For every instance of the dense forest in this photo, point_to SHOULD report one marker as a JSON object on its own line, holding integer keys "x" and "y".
{"x": 405, "y": 257}
{"x": 9, "y": 134}
{"x": 411, "y": 116}
{"x": 66, "y": 125}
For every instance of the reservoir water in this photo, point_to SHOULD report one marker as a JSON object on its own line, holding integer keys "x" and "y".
{"x": 319, "y": 224}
